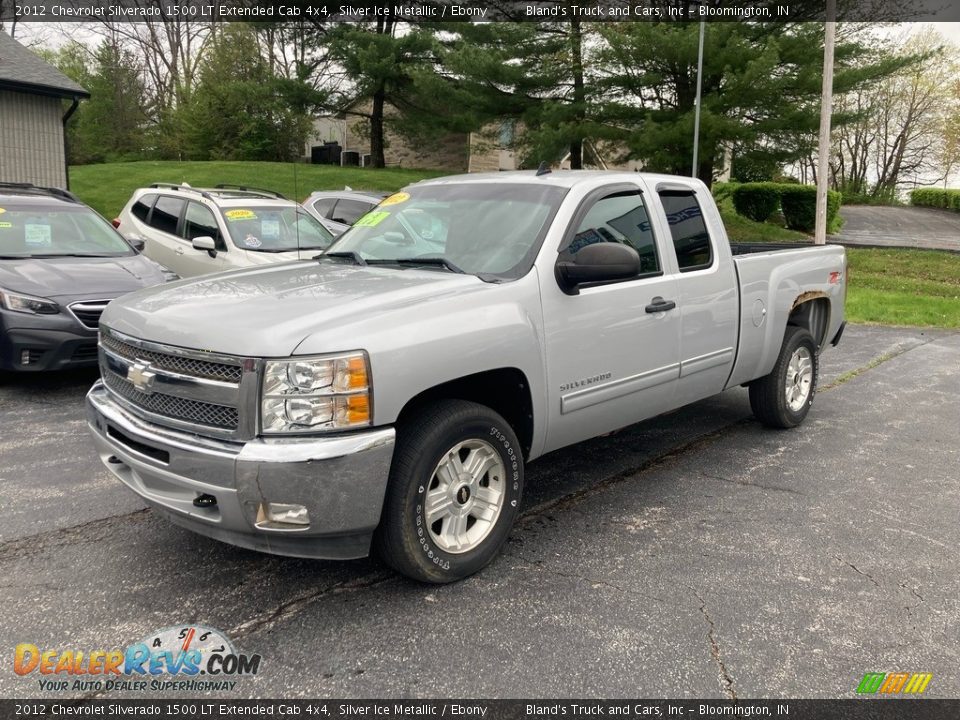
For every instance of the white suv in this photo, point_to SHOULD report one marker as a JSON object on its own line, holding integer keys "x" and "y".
{"x": 195, "y": 231}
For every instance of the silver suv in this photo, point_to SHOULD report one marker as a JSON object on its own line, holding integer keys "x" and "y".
{"x": 195, "y": 231}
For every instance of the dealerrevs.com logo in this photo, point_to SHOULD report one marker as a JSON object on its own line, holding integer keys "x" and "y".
{"x": 192, "y": 658}
{"x": 894, "y": 683}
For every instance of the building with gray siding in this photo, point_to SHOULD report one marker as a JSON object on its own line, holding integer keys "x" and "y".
{"x": 33, "y": 115}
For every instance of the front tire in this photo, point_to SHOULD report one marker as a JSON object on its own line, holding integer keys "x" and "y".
{"x": 783, "y": 398}
{"x": 454, "y": 492}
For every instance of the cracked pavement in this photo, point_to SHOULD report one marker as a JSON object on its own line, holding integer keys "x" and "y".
{"x": 693, "y": 555}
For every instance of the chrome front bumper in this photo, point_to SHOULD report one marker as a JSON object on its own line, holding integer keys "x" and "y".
{"x": 341, "y": 480}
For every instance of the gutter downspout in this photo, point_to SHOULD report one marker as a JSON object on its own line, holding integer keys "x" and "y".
{"x": 66, "y": 158}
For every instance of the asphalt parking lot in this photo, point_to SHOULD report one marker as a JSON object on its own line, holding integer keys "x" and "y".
{"x": 694, "y": 555}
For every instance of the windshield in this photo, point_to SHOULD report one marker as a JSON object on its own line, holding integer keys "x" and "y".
{"x": 484, "y": 229}
{"x": 275, "y": 229}
{"x": 57, "y": 231}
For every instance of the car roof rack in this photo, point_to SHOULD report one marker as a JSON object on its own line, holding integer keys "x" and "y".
{"x": 41, "y": 190}
{"x": 248, "y": 189}
{"x": 181, "y": 186}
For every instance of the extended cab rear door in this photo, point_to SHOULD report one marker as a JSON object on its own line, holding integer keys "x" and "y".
{"x": 708, "y": 304}
{"x": 612, "y": 354}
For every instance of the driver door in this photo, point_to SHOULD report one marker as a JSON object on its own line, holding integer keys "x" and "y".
{"x": 613, "y": 349}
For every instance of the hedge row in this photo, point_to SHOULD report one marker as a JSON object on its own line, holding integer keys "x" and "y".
{"x": 758, "y": 201}
{"x": 932, "y": 197}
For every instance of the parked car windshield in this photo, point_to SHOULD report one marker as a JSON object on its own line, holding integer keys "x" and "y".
{"x": 275, "y": 229}
{"x": 57, "y": 231}
{"x": 484, "y": 229}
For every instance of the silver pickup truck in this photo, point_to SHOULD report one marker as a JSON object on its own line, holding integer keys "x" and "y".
{"x": 389, "y": 393}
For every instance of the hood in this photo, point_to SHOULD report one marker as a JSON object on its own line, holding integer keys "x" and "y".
{"x": 68, "y": 278}
{"x": 269, "y": 311}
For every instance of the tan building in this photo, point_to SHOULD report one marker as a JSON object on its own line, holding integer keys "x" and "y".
{"x": 33, "y": 115}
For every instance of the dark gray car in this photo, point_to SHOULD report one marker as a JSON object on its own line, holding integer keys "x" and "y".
{"x": 60, "y": 264}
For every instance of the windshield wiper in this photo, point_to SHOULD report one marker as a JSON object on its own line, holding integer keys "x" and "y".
{"x": 348, "y": 254}
{"x": 429, "y": 260}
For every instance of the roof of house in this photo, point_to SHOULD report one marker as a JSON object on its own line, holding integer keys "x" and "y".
{"x": 24, "y": 71}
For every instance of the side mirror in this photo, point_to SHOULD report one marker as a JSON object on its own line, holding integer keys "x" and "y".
{"x": 205, "y": 242}
{"x": 598, "y": 263}
{"x": 138, "y": 243}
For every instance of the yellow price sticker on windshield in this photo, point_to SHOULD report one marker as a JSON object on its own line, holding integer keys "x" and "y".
{"x": 395, "y": 199}
{"x": 240, "y": 215}
{"x": 6, "y": 225}
{"x": 2, "y": 211}
{"x": 372, "y": 219}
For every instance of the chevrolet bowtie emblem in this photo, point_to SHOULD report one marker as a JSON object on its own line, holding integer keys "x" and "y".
{"x": 141, "y": 376}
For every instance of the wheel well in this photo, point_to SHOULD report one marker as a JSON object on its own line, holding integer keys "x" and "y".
{"x": 813, "y": 314}
{"x": 504, "y": 390}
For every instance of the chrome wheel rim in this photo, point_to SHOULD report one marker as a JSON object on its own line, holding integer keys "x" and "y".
{"x": 465, "y": 496}
{"x": 799, "y": 380}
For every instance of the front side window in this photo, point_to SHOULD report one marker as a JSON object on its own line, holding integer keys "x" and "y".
{"x": 45, "y": 231}
{"x": 324, "y": 206}
{"x": 200, "y": 222}
{"x": 275, "y": 229}
{"x": 618, "y": 218}
{"x": 166, "y": 214}
{"x": 691, "y": 241}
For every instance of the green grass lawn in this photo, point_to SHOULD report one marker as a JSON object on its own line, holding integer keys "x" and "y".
{"x": 107, "y": 187}
{"x": 890, "y": 287}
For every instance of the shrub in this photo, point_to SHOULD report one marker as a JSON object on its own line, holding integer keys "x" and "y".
{"x": 722, "y": 191}
{"x": 799, "y": 204}
{"x": 756, "y": 201}
{"x": 935, "y": 197}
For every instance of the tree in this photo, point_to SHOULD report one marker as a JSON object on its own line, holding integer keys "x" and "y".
{"x": 240, "y": 109}
{"x": 903, "y": 126}
{"x": 380, "y": 62}
{"x": 760, "y": 96}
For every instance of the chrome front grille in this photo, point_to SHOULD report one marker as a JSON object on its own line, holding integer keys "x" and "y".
{"x": 193, "y": 411}
{"x": 88, "y": 312}
{"x": 182, "y": 364}
{"x": 202, "y": 392}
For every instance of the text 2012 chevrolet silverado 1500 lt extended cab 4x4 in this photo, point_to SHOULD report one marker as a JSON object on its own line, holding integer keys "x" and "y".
{"x": 390, "y": 392}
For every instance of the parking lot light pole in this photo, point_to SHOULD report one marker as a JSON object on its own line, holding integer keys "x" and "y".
{"x": 826, "y": 106}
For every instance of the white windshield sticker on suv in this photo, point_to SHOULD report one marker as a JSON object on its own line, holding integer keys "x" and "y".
{"x": 270, "y": 229}
{"x": 37, "y": 235}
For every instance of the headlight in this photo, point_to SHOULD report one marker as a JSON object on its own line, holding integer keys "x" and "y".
{"x": 316, "y": 394}
{"x": 28, "y": 304}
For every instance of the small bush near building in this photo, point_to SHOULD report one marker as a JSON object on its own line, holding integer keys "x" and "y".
{"x": 799, "y": 205}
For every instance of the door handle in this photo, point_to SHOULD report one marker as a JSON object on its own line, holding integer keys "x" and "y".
{"x": 658, "y": 304}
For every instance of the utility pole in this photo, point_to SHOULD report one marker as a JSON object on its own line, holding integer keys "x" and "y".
{"x": 696, "y": 114}
{"x": 826, "y": 107}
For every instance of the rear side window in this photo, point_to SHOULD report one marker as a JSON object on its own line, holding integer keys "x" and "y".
{"x": 691, "y": 241}
{"x": 619, "y": 218}
{"x": 200, "y": 222}
{"x": 141, "y": 208}
{"x": 349, "y": 211}
{"x": 166, "y": 214}
{"x": 324, "y": 206}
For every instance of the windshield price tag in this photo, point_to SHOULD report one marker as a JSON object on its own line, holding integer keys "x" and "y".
{"x": 240, "y": 215}
{"x": 395, "y": 199}
{"x": 38, "y": 235}
{"x": 372, "y": 219}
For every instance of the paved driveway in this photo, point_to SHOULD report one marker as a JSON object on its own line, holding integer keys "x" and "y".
{"x": 697, "y": 554}
{"x": 908, "y": 227}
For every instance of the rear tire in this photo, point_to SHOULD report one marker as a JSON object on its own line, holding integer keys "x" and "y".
{"x": 453, "y": 494}
{"x": 783, "y": 398}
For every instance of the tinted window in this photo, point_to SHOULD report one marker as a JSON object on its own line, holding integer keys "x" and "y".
{"x": 349, "y": 211}
{"x": 166, "y": 213}
{"x": 324, "y": 206}
{"x": 619, "y": 218}
{"x": 690, "y": 237}
{"x": 199, "y": 222}
{"x": 141, "y": 208}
